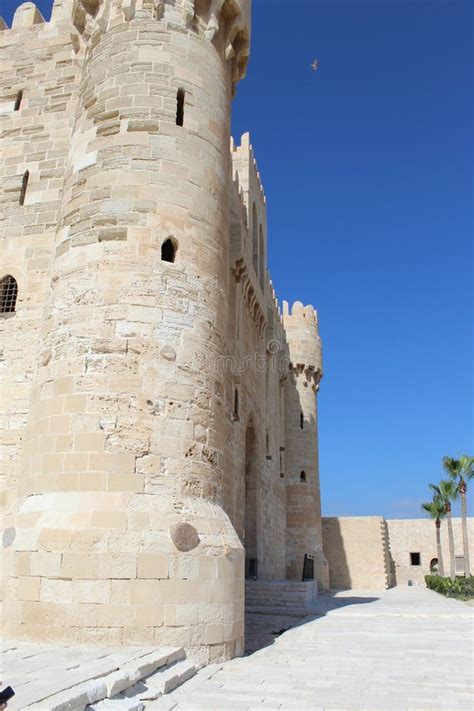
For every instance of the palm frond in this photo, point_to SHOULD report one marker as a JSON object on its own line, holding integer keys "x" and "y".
{"x": 449, "y": 489}
{"x": 435, "y": 509}
{"x": 461, "y": 469}
{"x": 451, "y": 466}
{"x": 466, "y": 467}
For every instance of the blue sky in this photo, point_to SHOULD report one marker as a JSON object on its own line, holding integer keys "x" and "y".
{"x": 367, "y": 166}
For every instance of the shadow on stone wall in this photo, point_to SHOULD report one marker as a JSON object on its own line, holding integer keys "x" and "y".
{"x": 333, "y": 544}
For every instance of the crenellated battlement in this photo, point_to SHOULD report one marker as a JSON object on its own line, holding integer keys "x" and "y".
{"x": 244, "y": 154}
{"x": 301, "y": 326}
{"x": 299, "y": 311}
{"x": 225, "y": 23}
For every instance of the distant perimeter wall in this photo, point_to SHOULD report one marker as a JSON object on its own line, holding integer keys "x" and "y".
{"x": 418, "y": 536}
{"x": 356, "y": 551}
{"x": 369, "y": 552}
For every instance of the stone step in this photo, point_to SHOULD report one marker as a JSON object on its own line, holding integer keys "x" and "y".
{"x": 108, "y": 691}
{"x": 148, "y": 689}
{"x": 165, "y": 681}
{"x": 280, "y": 597}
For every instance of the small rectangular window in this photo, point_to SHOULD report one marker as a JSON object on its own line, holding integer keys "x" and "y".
{"x": 415, "y": 558}
{"x": 18, "y": 100}
{"x": 24, "y": 185}
{"x": 180, "y": 107}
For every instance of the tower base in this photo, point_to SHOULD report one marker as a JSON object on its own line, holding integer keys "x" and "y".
{"x": 125, "y": 569}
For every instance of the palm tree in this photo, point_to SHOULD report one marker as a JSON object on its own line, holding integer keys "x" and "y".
{"x": 435, "y": 510}
{"x": 447, "y": 491}
{"x": 461, "y": 471}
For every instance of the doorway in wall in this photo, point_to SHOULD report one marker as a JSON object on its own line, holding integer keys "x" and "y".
{"x": 251, "y": 490}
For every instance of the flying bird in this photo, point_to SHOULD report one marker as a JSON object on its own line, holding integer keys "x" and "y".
{"x": 315, "y": 65}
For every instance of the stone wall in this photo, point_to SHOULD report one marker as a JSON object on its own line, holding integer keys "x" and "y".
{"x": 355, "y": 549}
{"x": 370, "y": 552}
{"x": 149, "y": 391}
{"x": 418, "y": 536}
{"x": 38, "y": 93}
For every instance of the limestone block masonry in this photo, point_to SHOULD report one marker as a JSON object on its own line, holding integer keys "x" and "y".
{"x": 158, "y": 410}
{"x": 369, "y": 552}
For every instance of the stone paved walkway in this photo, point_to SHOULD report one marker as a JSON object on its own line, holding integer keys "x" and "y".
{"x": 405, "y": 648}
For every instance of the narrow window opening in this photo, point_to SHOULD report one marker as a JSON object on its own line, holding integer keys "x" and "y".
{"x": 302, "y": 421}
{"x": 180, "y": 107}
{"x": 267, "y": 442}
{"x": 24, "y": 185}
{"x": 303, "y": 476}
{"x": 236, "y": 404}
{"x": 18, "y": 100}
{"x": 8, "y": 294}
{"x": 415, "y": 558}
{"x": 168, "y": 251}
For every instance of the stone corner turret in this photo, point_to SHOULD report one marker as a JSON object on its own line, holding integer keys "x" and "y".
{"x": 225, "y": 23}
{"x": 301, "y": 326}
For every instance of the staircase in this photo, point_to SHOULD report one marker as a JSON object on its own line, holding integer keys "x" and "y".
{"x": 281, "y": 597}
{"x": 134, "y": 685}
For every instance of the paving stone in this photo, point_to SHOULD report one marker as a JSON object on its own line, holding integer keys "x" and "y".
{"x": 405, "y": 649}
{"x": 167, "y": 680}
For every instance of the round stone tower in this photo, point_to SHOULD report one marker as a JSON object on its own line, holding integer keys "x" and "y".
{"x": 119, "y": 534}
{"x": 303, "y": 500}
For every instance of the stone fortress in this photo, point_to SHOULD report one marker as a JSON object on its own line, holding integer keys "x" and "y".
{"x": 159, "y": 425}
{"x": 159, "y": 412}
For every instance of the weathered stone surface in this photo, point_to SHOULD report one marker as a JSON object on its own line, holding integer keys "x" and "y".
{"x": 8, "y": 536}
{"x": 69, "y": 678}
{"x": 364, "y": 550}
{"x": 184, "y": 536}
{"x": 404, "y": 648}
{"x": 146, "y": 377}
{"x": 120, "y": 680}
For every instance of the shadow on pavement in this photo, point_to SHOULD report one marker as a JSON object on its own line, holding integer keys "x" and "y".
{"x": 261, "y": 630}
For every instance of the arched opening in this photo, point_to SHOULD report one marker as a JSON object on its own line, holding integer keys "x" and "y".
{"x": 24, "y": 185}
{"x": 180, "y": 107}
{"x": 251, "y": 510}
{"x": 8, "y": 294}
{"x": 18, "y": 101}
{"x": 434, "y": 566}
{"x": 168, "y": 250}
{"x": 303, "y": 476}
{"x": 261, "y": 246}
{"x": 255, "y": 238}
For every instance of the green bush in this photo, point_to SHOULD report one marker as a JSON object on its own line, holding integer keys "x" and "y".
{"x": 461, "y": 587}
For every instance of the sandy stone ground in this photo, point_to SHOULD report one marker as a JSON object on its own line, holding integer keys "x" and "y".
{"x": 394, "y": 650}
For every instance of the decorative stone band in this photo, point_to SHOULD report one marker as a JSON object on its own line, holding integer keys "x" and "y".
{"x": 250, "y": 294}
{"x": 311, "y": 373}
